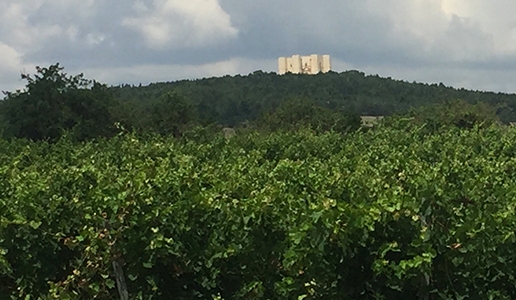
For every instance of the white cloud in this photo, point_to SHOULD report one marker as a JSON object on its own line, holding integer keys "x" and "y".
{"x": 174, "y": 24}
{"x": 456, "y": 30}
{"x": 11, "y": 68}
{"x": 9, "y": 59}
{"x": 14, "y": 27}
{"x": 497, "y": 18}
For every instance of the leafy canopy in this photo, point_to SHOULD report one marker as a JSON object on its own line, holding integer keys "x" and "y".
{"x": 53, "y": 102}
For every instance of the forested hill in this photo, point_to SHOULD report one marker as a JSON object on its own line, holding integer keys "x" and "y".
{"x": 231, "y": 100}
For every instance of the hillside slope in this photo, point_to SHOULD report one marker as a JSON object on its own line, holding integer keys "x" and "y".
{"x": 231, "y": 100}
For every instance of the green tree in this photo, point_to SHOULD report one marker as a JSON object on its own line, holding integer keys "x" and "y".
{"x": 229, "y": 100}
{"x": 458, "y": 113}
{"x": 53, "y": 102}
{"x": 296, "y": 113}
{"x": 171, "y": 114}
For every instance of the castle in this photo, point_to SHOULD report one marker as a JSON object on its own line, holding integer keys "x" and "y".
{"x": 297, "y": 64}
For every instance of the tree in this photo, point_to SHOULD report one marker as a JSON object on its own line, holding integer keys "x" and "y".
{"x": 296, "y": 113}
{"x": 457, "y": 113}
{"x": 53, "y": 102}
{"x": 171, "y": 114}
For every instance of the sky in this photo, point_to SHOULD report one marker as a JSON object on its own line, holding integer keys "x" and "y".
{"x": 461, "y": 43}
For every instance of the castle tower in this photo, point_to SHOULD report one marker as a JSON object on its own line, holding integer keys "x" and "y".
{"x": 311, "y": 64}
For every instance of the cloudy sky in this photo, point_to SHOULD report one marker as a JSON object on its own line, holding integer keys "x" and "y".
{"x": 462, "y": 43}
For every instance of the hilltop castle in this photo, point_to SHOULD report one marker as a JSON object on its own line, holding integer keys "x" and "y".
{"x": 297, "y": 64}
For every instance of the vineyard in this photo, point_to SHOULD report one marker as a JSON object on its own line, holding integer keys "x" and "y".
{"x": 390, "y": 213}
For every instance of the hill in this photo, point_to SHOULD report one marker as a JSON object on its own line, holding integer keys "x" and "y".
{"x": 53, "y": 103}
{"x": 230, "y": 100}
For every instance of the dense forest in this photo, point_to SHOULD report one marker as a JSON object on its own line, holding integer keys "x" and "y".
{"x": 53, "y": 103}
{"x": 231, "y": 100}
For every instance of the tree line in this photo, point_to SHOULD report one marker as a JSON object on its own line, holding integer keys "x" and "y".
{"x": 233, "y": 99}
{"x": 54, "y": 103}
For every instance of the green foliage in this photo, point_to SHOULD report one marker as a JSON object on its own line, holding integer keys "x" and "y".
{"x": 231, "y": 100}
{"x": 457, "y": 113}
{"x": 53, "y": 103}
{"x": 170, "y": 114}
{"x": 297, "y": 113}
{"x": 382, "y": 214}
{"x": 440, "y": 117}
